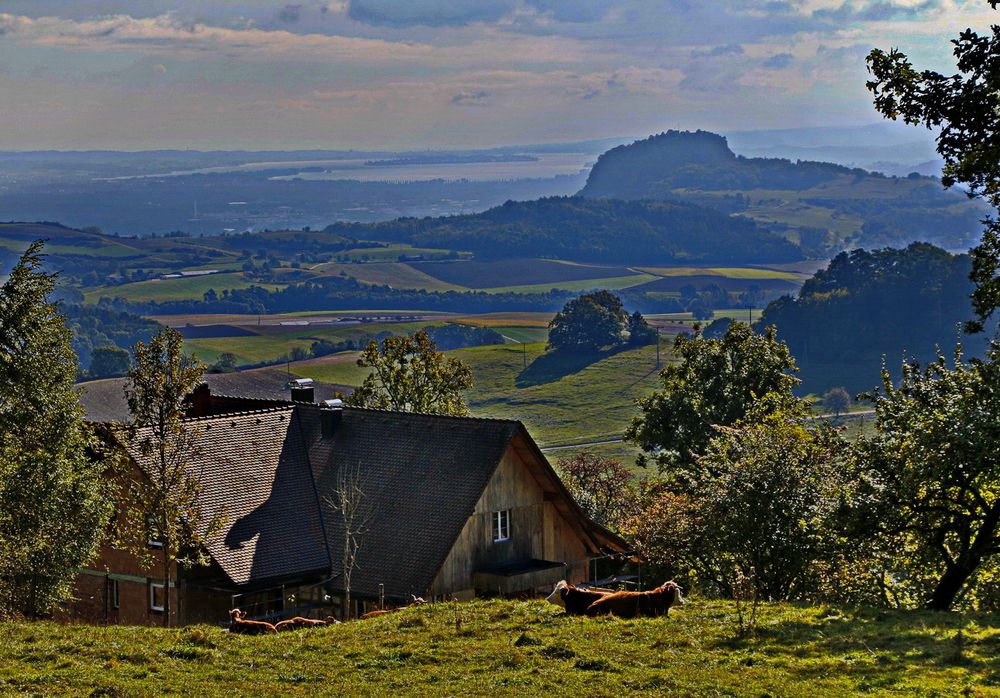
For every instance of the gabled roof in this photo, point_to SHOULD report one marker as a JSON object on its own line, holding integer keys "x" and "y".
{"x": 252, "y": 467}
{"x": 275, "y": 472}
{"x": 421, "y": 474}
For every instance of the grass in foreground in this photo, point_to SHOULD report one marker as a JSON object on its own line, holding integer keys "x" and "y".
{"x": 523, "y": 648}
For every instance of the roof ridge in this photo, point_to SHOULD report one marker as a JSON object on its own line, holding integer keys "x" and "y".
{"x": 433, "y": 415}
{"x": 241, "y": 413}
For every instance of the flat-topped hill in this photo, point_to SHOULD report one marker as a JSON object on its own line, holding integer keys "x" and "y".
{"x": 823, "y": 206}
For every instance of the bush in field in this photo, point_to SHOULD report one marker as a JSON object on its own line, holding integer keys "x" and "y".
{"x": 764, "y": 510}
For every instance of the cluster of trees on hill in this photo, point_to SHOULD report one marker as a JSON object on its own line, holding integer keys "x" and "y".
{"x": 868, "y": 305}
{"x": 593, "y": 231}
{"x": 596, "y": 321}
{"x": 98, "y": 330}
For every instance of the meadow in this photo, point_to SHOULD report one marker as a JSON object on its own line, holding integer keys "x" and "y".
{"x": 561, "y": 399}
{"x": 184, "y": 288}
{"x": 505, "y": 648}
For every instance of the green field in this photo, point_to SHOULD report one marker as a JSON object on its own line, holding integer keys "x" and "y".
{"x": 185, "y": 288}
{"x": 613, "y": 283}
{"x": 511, "y": 273}
{"x": 527, "y": 648}
{"x": 274, "y": 341}
{"x": 727, "y": 272}
{"x": 560, "y": 400}
{"x": 391, "y": 253}
{"x": 395, "y": 274}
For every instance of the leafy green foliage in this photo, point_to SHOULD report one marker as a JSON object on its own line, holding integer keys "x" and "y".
{"x": 868, "y": 305}
{"x": 409, "y": 374}
{"x": 588, "y": 323}
{"x": 930, "y": 472}
{"x": 714, "y": 382}
{"x": 761, "y": 512}
{"x": 101, "y": 326}
{"x": 109, "y": 361}
{"x": 964, "y": 107}
{"x": 53, "y": 504}
{"x": 165, "y": 499}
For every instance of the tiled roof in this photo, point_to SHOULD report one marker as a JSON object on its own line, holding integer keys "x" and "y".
{"x": 104, "y": 401}
{"x": 422, "y": 475}
{"x": 253, "y": 468}
{"x": 275, "y": 472}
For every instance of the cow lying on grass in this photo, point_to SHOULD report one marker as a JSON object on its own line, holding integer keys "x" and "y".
{"x": 635, "y": 604}
{"x": 574, "y": 599}
{"x": 417, "y": 601}
{"x": 238, "y": 624}
{"x": 298, "y": 623}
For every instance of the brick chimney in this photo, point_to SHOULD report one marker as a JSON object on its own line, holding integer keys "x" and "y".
{"x": 330, "y": 413}
{"x": 302, "y": 390}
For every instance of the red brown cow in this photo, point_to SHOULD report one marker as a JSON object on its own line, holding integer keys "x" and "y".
{"x": 238, "y": 624}
{"x": 574, "y": 599}
{"x": 297, "y": 623}
{"x": 634, "y": 604}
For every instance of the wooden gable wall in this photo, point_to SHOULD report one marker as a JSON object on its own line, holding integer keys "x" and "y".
{"x": 538, "y": 531}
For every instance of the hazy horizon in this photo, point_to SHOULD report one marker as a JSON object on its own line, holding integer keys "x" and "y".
{"x": 439, "y": 74}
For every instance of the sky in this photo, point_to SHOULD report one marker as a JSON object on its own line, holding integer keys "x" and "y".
{"x": 412, "y": 74}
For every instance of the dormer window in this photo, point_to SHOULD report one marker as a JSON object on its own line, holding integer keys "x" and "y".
{"x": 501, "y": 526}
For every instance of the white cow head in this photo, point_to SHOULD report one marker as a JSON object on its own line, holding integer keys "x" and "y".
{"x": 556, "y": 596}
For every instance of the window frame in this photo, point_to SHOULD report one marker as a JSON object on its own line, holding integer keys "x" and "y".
{"x": 151, "y": 540}
{"x": 153, "y": 586}
{"x": 500, "y": 526}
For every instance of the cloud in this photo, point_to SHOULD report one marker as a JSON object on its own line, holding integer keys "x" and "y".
{"x": 405, "y": 13}
{"x": 725, "y": 50}
{"x": 477, "y": 98}
{"x": 573, "y": 10}
{"x": 778, "y": 61}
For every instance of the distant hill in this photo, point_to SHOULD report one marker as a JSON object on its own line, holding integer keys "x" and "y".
{"x": 579, "y": 229}
{"x": 822, "y": 206}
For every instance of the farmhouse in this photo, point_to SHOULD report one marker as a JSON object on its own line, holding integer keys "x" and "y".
{"x": 458, "y": 507}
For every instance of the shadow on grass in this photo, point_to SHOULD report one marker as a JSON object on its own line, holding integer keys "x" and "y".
{"x": 879, "y": 649}
{"x": 553, "y": 365}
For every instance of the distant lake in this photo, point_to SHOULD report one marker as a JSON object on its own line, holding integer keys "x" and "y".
{"x": 544, "y": 166}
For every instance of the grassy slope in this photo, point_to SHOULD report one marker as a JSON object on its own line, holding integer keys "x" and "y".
{"x": 521, "y": 648}
{"x": 560, "y": 400}
{"x": 613, "y": 283}
{"x": 395, "y": 274}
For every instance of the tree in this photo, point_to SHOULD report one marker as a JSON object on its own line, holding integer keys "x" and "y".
{"x": 964, "y": 107}
{"x": 109, "y": 361}
{"x": 837, "y": 400}
{"x": 603, "y": 487}
{"x": 639, "y": 331}
{"x": 355, "y": 513}
{"x": 771, "y": 489}
{"x": 225, "y": 364}
{"x": 930, "y": 471}
{"x": 715, "y": 382}
{"x": 588, "y": 323}
{"x": 410, "y": 375}
{"x": 53, "y": 503}
{"x": 166, "y": 510}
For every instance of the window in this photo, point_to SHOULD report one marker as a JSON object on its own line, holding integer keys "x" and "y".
{"x": 157, "y": 597}
{"x": 114, "y": 600}
{"x": 152, "y": 539}
{"x": 501, "y": 526}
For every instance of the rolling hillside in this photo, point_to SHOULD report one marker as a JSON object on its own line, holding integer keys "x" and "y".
{"x": 821, "y": 206}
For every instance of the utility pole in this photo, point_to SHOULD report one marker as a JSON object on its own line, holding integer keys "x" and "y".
{"x": 657, "y": 347}
{"x": 524, "y": 356}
